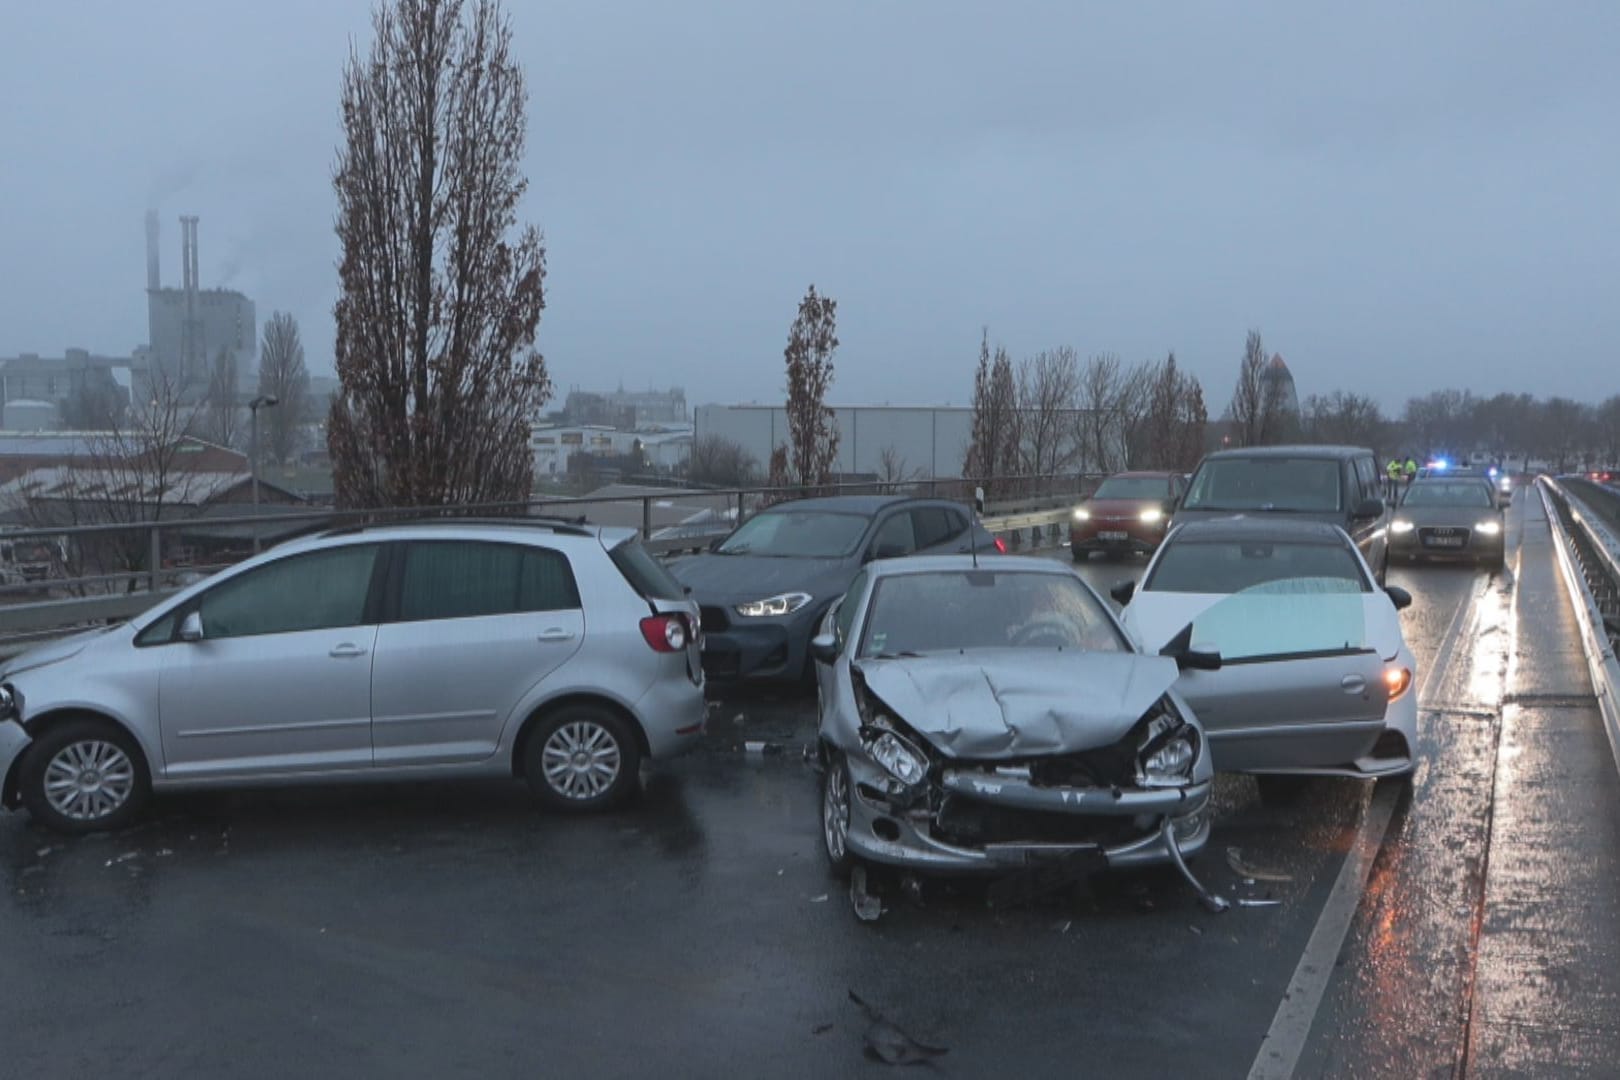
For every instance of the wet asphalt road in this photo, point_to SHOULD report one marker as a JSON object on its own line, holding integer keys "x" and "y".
{"x": 455, "y": 930}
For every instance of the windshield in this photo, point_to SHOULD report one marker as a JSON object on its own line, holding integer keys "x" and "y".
{"x": 1308, "y": 485}
{"x": 801, "y": 534}
{"x": 1134, "y": 487}
{"x": 985, "y": 609}
{"x": 1229, "y": 566}
{"x": 1461, "y": 493}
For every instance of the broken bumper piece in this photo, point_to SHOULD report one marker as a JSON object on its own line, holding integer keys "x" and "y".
{"x": 974, "y": 824}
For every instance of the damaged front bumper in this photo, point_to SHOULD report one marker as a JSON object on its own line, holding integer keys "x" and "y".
{"x": 975, "y": 822}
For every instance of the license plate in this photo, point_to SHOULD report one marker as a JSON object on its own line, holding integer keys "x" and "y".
{"x": 1446, "y": 541}
{"x": 1112, "y": 535}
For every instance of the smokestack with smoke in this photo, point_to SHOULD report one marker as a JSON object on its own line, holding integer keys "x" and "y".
{"x": 153, "y": 281}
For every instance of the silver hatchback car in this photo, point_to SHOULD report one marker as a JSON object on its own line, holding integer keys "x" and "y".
{"x": 561, "y": 654}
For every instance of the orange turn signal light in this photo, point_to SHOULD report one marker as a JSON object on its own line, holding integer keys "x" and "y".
{"x": 1398, "y": 680}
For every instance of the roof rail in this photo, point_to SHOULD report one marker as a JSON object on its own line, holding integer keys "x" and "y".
{"x": 575, "y": 526}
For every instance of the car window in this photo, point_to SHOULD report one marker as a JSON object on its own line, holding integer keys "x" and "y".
{"x": 1134, "y": 487}
{"x": 645, "y": 574}
{"x": 1367, "y": 473}
{"x": 790, "y": 533}
{"x": 459, "y": 579}
{"x": 845, "y": 619}
{"x": 934, "y": 525}
{"x": 1229, "y": 566}
{"x": 1267, "y": 482}
{"x": 1458, "y": 493}
{"x": 946, "y": 611}
{"x": 895, "y": 537}
{"x": 1286, "y": 618}
{"x": 316, "y": 591}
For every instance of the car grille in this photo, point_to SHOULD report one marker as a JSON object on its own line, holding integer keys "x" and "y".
{"x": 1449, "y": 536}
{"x": 973, "y": 823}
{"x": 713, "y": 619}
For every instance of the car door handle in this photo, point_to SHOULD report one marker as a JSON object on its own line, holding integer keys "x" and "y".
{"x": 1353, "y": 684}
{"x": 555, "y": 634}
{"x": 346, "y": 651}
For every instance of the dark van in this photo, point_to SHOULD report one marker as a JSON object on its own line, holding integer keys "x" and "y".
{"x": 1336, "y": 484}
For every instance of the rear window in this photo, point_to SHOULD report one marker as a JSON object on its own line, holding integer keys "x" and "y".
{"x": 645, "y": 574}
{"x": 1231, "y": 566}
{"x": 1301, "y": 484}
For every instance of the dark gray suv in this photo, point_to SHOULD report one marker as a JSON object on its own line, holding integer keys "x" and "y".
{"x": 1336, "y": 484}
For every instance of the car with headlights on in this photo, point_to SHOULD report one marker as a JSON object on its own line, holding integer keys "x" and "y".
{"x": 1316, "y": 675}
{"x": 763, "y": 589}
{"x": 557, "y": 653}
{"x": 1452, "y": 518}
{"x": 980, "y": 716}
{"x": 1128, "y": 513}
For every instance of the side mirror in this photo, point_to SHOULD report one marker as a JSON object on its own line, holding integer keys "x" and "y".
{"x": 1187, "y": 658}
{"x": 191, "y": 628}
{"x": 824, "y": 648}
{"x": 1122, "y": 592}
{"x": 1370, "y": 508}
{"x": 1399, "y": 597}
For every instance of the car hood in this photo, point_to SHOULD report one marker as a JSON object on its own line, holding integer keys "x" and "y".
{"x": 1121, "y": 507}
{"x": 1019, "y": 703}
{"x": 1464, "y": 516}
{"x": 725, "y": 578}
{"x": 53, "y": 652}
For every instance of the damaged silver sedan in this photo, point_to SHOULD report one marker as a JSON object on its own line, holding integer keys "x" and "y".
{"x": 988, "y": 719}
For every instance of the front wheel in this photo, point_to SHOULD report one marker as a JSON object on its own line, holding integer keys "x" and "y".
{"x": 582, "y": 758}
{"x": 84, "y": 776}
{"x": 835, "y": 815}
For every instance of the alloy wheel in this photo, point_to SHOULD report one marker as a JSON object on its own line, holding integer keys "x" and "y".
{"x": 89, "y": 780}
{"x": 581, "y": 760}
{"x": 835, "y": 812}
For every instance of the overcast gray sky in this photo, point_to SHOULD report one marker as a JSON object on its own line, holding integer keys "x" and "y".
{"x": 1401, "y": 196}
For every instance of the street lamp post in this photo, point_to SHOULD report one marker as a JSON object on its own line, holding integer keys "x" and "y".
{"x": 263, "y": 401}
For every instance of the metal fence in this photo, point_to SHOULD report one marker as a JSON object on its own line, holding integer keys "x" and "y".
{"x": 1586, "y": 529}
{"x": 113, "y": 570}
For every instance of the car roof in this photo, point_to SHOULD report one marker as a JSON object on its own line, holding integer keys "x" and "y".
{"x": 507, "y": 530}
{"x": 912, "y": 564}
{"x": 1272, "y": 527}
{"x": 1338, "y": 453}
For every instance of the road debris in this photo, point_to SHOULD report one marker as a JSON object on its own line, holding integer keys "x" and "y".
{"x": 822, "y": 899}
{"x": 1211, "y": 901}
{"x": 125, "y": 857}
{"x": 867, "y": 907}
{"x": 1244, "y": 901}
{"x": 885, "y": 1041}
{"x": 1234, "y": 859}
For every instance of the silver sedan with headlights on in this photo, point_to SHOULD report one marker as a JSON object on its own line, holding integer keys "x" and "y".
{"x": 992, "y": 717}
{"x": 1449, "y": 518}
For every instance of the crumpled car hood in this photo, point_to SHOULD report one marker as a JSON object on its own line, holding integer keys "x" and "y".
{"x": 1020, "y": 703}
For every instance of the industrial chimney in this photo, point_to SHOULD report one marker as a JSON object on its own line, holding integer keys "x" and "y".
{"x": 153, "y": 281}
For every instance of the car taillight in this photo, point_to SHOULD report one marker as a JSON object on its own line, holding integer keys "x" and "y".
{"x": 665, "y": 633}
{"x": 1001, "y": 545}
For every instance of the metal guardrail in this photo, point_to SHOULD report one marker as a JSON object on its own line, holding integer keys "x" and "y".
{"x": 1589, "y": 558}
{"x": 121, "y": 591}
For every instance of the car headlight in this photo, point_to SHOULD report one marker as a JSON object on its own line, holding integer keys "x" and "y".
{"x": 785, "y": 604}
{"x": 1398, "y": 680}
{"x": 1488, "y": 528}
{"x": 8, "y": 703}
{"x": 1152, "y": 516}
{"x": 1082, "y": 515}
{"x": 1400, "y": 525}
{"x": 899, "y": 758}
{"x": 1167, "y": 753}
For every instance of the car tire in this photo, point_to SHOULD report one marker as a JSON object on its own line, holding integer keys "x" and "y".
{"x": 1280, "y": 789}
{"x": 84, "y": 775}
{"x": 837, "y": 797}
{"x": 582, "y": 758}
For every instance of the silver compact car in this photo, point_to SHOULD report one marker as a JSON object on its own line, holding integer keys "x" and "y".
{"x": 557, "y": 653}
{"x": 990, "y": 717}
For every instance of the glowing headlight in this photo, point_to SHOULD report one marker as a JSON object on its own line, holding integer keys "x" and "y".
{"x": 785, "y": 604}
{"x": 1082, "y": 515}
{"x": 1152, "y": 516}
{"x": 1488, "y": 528}
{"x": 1400, "y": 525}
{"x": 903, "y": 761}
{"x": 1398, "y": 680}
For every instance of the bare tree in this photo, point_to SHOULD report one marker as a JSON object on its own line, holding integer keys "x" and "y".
{"x": 1254, "y": 401}
{"x": 1343, "y": 417}
{"x": 221, "y": 421}
{"x": 721, "y": 462}
{"x": 993, "y": 446}
{"x": 813, "y": 435}
{"x": 283, "y": 376}
{"x": 894, "y": 469}
{"x": 1171, "y": 434}
{"x": 440, "y": 291}
{"x": 1048, "y": 400}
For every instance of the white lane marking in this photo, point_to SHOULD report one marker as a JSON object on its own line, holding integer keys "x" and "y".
{"x": 1285, "y": 1040}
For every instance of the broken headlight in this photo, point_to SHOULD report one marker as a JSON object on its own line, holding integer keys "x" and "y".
{"x": 903, "y": 761}
{"x": 1168, "y": 750}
